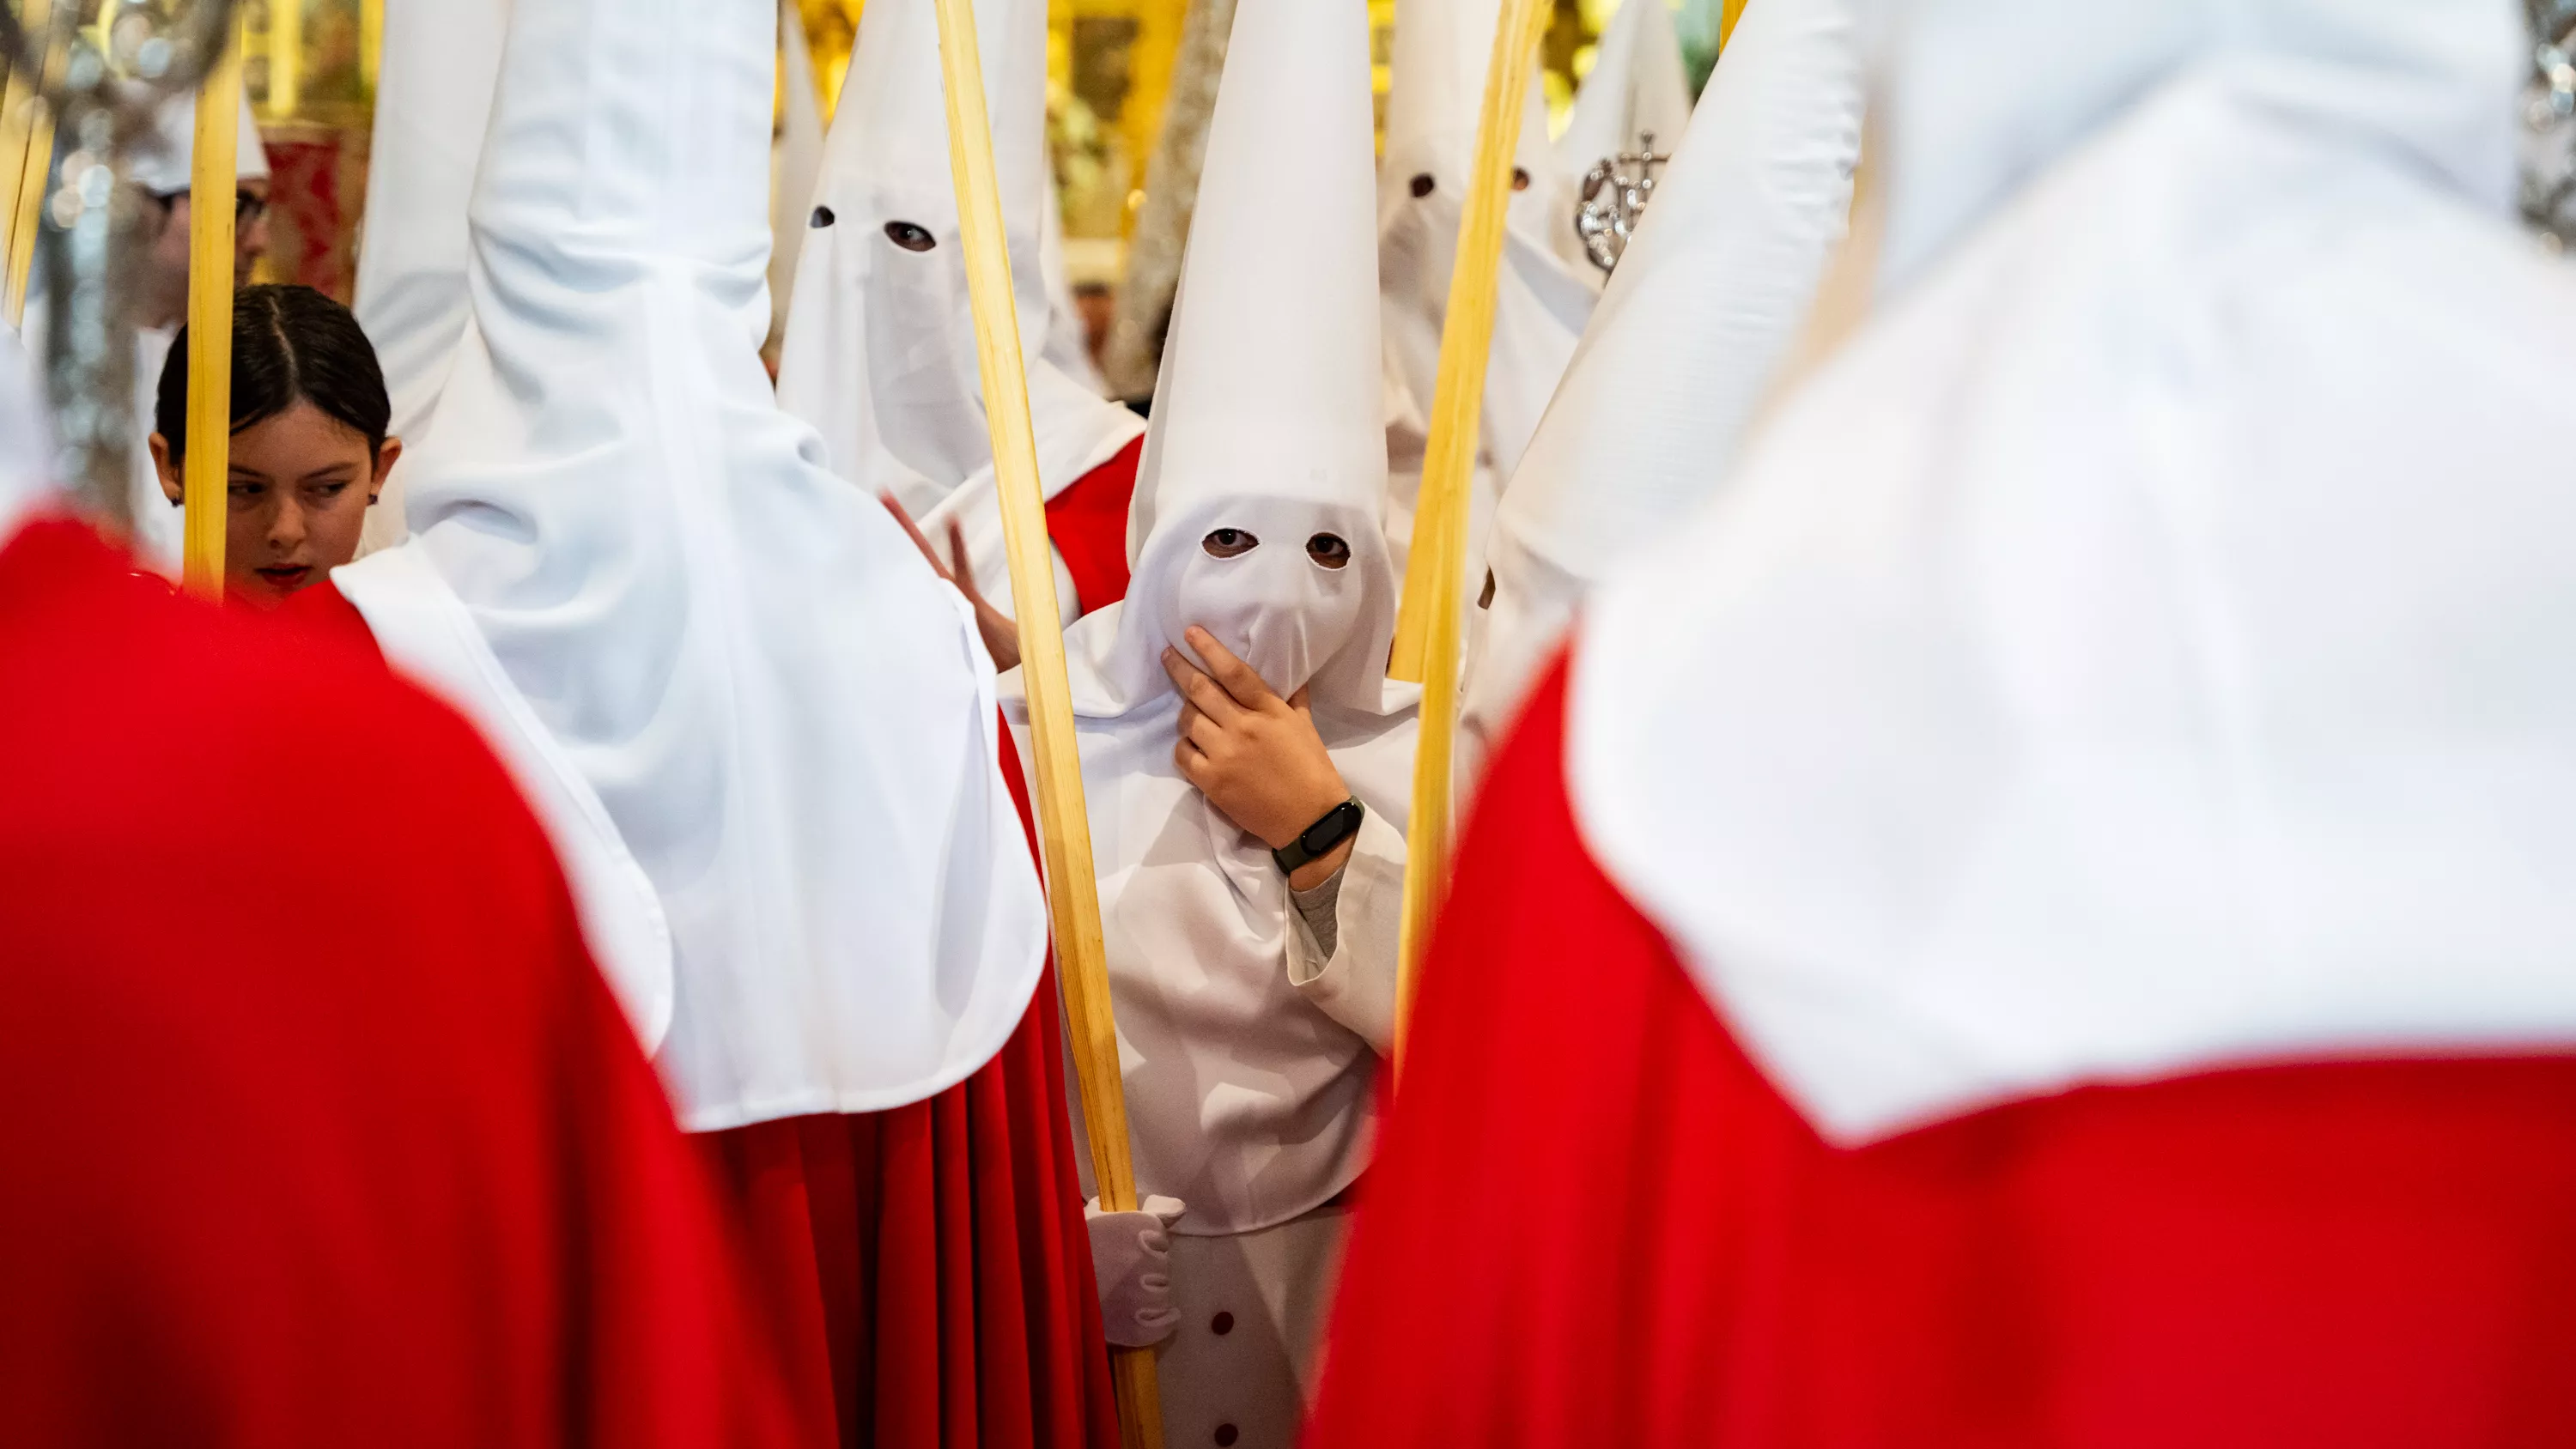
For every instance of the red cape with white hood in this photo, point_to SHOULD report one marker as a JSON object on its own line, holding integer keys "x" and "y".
{"x": 257, "y": 1194}
{"x": 2068, "y": 861}
{"x": 764, "y": 732}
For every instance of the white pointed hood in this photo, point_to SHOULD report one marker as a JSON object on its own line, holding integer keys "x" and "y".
{"x": 880, "y": 350}
{"x": 1707, "y": 302}
{"x": 165, "y": 163}
{"x": 1239, "y": 1091}
{"x": 798, "y": 161}
{"x": 2142, "y": 648}
{"x": 1435, "y": 96}
{"x": 786, "y": 715}
{"x": 1637, "y": 88}
{"x": 1266, "y": 417}
{"x": 433, "y": 102}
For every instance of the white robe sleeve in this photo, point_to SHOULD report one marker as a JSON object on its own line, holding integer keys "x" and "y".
{"x": 1355, "y": 985}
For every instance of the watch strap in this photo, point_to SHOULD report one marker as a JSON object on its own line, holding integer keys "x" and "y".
{"x": 1321, "y": 838}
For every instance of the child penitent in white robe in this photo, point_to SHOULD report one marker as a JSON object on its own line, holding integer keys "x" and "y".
{"x": 1237, "y": 695}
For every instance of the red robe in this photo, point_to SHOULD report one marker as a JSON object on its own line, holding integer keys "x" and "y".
{"x": 320, "y": 1126}
{"x": 929, "y": 1265}
{"x": 932, "y": 1259}
{"x": 1594, "y": 1222}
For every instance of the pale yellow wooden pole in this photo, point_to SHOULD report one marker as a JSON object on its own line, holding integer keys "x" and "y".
{"x": 1427, "y": 653}
{"x": 1731, "y": 12}
{"x": 1466, "y": 339}
{"x": 26, "y": 159}
{"x": 19, "y": 120}
{"x": 285, "y": 58}
{"x": 1064, "y": 825}
{"x": 210, "y": 321}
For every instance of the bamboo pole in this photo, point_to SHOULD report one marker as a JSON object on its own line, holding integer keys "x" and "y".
{"x": 26, "y": 163}
{"x": 1064, "y": 827}
{"x": 285, "y": 58}
{"x": 210, "y": 320}
{"x": 371, "y": 41}
{"x": 1466, "y": 340}
{"x": 19, "y": 122}
{"x": 1433, "y": 582}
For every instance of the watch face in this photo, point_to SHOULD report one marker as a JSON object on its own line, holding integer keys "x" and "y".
{"x": 1326, "y": 833}
{"x": 1338, "y": 825}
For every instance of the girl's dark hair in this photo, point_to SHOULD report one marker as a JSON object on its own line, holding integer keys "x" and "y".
{"x": 290, "y": 345}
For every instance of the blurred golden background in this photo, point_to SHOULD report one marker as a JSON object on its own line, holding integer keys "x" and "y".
{"x": 311, "y": 70}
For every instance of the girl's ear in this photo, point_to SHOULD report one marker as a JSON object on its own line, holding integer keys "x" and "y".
{"x": 386, "y": 457}
{"x": 171, "y": 486}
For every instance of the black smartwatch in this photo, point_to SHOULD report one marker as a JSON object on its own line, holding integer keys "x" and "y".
{"x": 1319, "y": 839}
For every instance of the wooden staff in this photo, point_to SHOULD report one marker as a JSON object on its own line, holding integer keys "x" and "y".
{"x": 1466, "y": 343}
{"x": 286, "y": 57}
{"x": 1426, "y": 652}
{"x": 1064, "y": 825}
{"x": 211, "y": 185}
{"x": 26, "y": 162}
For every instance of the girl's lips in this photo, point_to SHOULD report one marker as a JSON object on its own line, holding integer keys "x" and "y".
{"x": 285, "y": 578}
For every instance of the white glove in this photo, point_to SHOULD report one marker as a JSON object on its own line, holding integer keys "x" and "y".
{"x": 1131, "y": 1256}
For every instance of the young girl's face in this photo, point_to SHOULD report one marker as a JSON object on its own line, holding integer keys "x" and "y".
{"x": 300, "y": 486}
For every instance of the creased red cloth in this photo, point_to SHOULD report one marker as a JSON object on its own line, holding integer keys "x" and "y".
{"x": 931, "y": 1261}
{"x": 1088, "y": 525}
{"x": 1592, "y": 1221}
{"x": 926, "y": 1269}
{"x": 320, "y": 1127}
{"x": 946, "y": 1261}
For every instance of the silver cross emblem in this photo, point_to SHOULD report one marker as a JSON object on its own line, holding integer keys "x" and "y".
{"x": 1615, "y": 194}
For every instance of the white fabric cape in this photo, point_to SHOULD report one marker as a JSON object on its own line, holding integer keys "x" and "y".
{"x": 433, "y": 101}
{"x": 784, "y": 713}
{"x": 1703, "y": 311}
{"x": 2145, "y": 648}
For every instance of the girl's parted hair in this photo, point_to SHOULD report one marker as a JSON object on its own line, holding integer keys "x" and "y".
{"x": 290, "y": 345}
